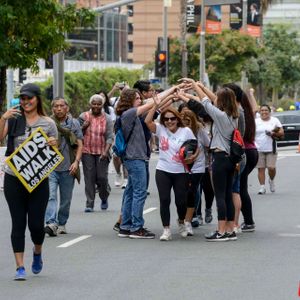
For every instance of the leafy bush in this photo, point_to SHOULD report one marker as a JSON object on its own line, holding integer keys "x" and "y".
{"x": 80, "y": 86}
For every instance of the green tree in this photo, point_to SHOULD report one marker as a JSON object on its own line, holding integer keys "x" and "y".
{"x": 277, "y": 66}
{"x": 226, "y": 55}
{"x": 34, "y": 29}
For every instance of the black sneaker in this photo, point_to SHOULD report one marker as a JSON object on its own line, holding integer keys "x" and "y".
{"x": 247, "y": 227}
{"x": 117, "y": 227}
{"x": 216, "y": 237}
{"x": 208, "y": 216}
{"x": 142, "y": 233}
{"x": 231, "y": 236}
{"x": 123, "y": 233}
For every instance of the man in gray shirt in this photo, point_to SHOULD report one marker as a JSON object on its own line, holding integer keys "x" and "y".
{"x": 70, "y": 145}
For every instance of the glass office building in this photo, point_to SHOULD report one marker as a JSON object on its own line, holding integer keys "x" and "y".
{"x": 106, "y": 41}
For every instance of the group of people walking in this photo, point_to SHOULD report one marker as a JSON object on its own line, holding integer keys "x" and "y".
{"x": 193, "y": 129}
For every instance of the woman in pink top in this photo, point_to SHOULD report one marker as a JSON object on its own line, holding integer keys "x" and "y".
{"x": 97, "y": 128}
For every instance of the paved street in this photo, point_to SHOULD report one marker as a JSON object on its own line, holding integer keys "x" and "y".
{"x": 260, "y": 265}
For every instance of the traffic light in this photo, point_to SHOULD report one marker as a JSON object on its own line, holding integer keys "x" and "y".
{"x": 22, "y": 75}
{"x": 161, "y": 63}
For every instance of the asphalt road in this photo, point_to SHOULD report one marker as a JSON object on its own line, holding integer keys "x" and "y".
{"x": 260, "y": 265}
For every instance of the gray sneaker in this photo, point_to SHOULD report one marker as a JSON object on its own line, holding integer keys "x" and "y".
{"x": 51, "y": 229}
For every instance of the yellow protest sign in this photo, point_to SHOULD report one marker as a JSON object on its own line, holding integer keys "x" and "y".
{"x": 34, "y": 159}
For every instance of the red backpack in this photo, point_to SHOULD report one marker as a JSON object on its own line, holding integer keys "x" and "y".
{"x": 237, "y": 147}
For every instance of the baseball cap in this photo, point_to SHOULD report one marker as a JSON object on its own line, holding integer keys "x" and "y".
{"x": 30, "y": 90}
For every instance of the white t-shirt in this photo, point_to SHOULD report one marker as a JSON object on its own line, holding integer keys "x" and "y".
{"x": 264, "y": 142}
{"x": 203, "y": 141}
{"x": 169, "y": 145}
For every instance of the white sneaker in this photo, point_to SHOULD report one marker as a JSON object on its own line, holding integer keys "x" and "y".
{"x": 124, "y": 183}
{"x": 189, "y": 229}
{"x": 262, "y": 191}
{"x": 237, "y": 229}
{"x": 272, "y": 185}
{"x": 62, "y": 229}
{"x": 118, "y": 180}
{"x": 182, "y": 230}
{"x": 166, "y": 236}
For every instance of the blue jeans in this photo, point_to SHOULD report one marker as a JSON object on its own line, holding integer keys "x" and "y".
{"x": 65, "y": 182}
{"x": 135, "y": 195}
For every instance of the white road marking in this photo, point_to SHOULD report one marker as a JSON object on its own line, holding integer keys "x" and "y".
{"x": 289, "y": 234}
{"x": 148, "y": 210}
{"x": 72, "y": 242}
{"x": 281, "y": 157}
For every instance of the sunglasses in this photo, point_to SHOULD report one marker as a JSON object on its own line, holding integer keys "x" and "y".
{"x": 23, "y": 98}
{"x": 169, "y": 119}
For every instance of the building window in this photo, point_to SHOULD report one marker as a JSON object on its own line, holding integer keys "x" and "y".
{"x": 106, "y": 41}
{"x": 130, "y": 47}
{"x": 130, "y": 11}
{"x": 130, "y": 28}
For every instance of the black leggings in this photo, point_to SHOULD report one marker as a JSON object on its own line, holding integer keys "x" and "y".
{"x": 252, "y": 158}
{"x": 193, "y": 182}
{"x": 165, "y": 182}
{"x": 207, "y": 188}
{"x": 23, "y": 204}
{"x": 222, "y": 174}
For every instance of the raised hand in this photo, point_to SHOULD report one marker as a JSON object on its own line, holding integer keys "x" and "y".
{"x": 13, "y": 112}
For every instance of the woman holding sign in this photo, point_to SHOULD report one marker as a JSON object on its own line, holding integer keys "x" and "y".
{"x": 17, "y": 123}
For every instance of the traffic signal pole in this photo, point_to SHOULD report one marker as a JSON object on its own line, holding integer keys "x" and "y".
{"x": 165, "y": 42}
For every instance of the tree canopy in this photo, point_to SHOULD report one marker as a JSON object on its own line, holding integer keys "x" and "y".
{"x": 34, "y": 29}
{"x": 226, "y": 55}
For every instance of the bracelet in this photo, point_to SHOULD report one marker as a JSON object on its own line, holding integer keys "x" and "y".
{"x": 78, "y": 160}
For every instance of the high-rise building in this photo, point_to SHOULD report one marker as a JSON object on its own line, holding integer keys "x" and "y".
{"x": 284, "y": 11}
{"x": 145, "y": 25}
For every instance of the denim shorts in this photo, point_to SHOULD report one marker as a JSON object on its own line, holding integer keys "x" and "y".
{"x": 236, "y": 182}
{"x": 237, "y": 177}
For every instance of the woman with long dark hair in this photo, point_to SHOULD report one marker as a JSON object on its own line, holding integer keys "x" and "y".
{"x": 224, "y": 114}
{"x": 26, "y": 208}
{"x": 251, "y": 155}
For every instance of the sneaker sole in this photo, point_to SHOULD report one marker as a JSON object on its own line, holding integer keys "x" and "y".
{"x": 20, "y": 279}
{"x": 248, "y": 230}
{"x": 217, "y": 240}
{"x": 123, "y": 235}
{"x": 141, "y": 237}
{"x": 165, "y": 239}
{"x": 232, "y": 239}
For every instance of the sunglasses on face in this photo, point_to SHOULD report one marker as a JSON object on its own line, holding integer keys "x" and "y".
{"x": 169, "y": 119}
{"x": 24, "y": 98}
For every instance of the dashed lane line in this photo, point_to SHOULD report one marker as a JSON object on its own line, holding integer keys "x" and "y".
{"x": 289, "y": 235}
{"x": 72, "y": 242}
{"x": 148, "y": 210}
